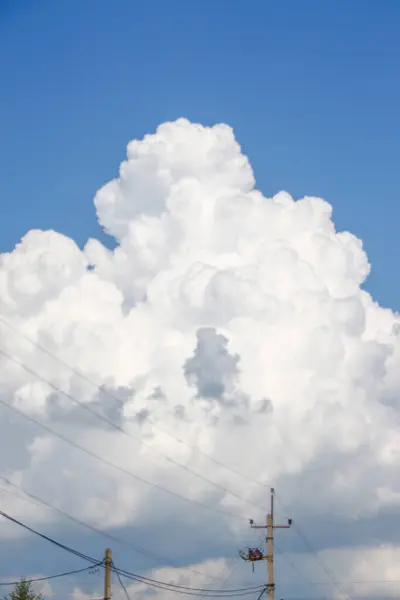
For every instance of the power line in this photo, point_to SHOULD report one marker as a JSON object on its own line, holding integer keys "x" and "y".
{"x": 139, "y": 578}
{"x": 180, "y": 440}
{"x": 192, "y": 591}
{"x": 118, "y": 467}
{"x": 291, "y": 563}
{"x": 308, "y": 545}
{"x": 121, "y": 403}
{"x": 51, "y": 540}
{"x": 228, "y": 568}
{"x": 121, "y": 583}
{"x": 138, "y": 549}
{"x": 90, "y": 453}
{"x": 157, "y": 486}
{"x": 123, "y": 431}
{"x": 144, "y": 579}
{"x": 221, "y": 578}
{"x": 141, "y": 550}
{"x": 261, "y": 593}
{"x": 227, "y": 571}
{"x": 177, "y": 589}
{"x": 47, "y": 577}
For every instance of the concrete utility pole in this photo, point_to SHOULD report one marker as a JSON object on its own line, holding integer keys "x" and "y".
{"x": 107, "y": 574}
{"x": 270, "y": 526}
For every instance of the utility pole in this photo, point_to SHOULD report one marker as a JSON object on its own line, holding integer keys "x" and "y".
{"x": 270, "y": 526}
{"x": 107, "y": 574}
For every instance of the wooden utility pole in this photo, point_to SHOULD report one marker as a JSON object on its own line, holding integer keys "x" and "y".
{"x": 270, "y": 526}
{"x": 107, "y": 574}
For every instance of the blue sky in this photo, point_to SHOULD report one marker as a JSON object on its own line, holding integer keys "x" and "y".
{"x": 311, "y": 89}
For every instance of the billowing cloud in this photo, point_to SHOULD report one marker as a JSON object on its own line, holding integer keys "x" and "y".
{"x": 225, "y": 328}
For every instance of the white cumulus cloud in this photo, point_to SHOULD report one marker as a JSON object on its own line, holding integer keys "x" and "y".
{"x": 225, "y": 328}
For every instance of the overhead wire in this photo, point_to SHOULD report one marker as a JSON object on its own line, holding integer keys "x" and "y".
{"x": 118, "y": 467}
{"x": 90, "y": 453}
{"x": 104, "y": 391}
{"x": 316, "y": 556}
{"x": 135, "y": 548}
{"x": 128, "y": 574}
{"x": 98, "y": 415}
{"x": 48, "y": 577}
{"x": 227, "y": 568}
{"x": 49, "y": 539}
{"x": 129, "y": 473}
{"x": 121, "y": 583}
{"x": 227, "y": 571}
{"x": 262, "y": 593}
{"x": 32, "y": 497}
{"x": 117, "y": 427}
{"x": 181, "y": 588}
{"x": 222, "y": 578}
{"x": 294, "y": 567}
{"x": 191, "y": 591}
{"x": 145, "y": 579}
